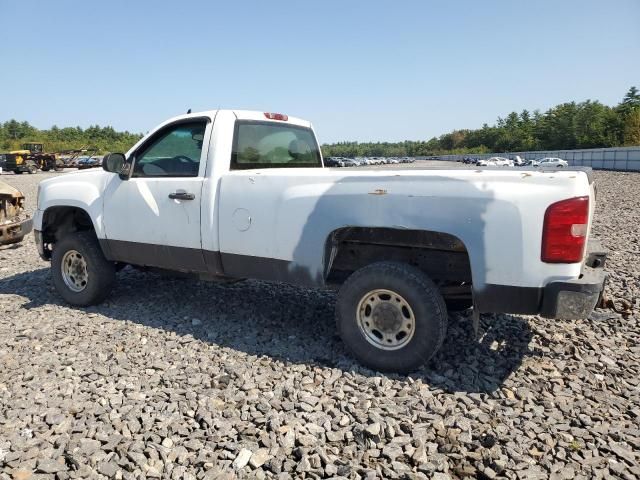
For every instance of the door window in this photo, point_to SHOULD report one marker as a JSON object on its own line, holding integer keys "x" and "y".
{"x": 173, "y": 152}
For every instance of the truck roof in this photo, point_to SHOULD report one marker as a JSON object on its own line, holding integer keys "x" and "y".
{"x": 242, "y": 115}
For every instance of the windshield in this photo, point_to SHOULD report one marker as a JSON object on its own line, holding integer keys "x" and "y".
{"x": 273, "y": 145}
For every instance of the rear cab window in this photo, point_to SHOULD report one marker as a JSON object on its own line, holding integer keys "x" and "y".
{"x": 259, "y": 144}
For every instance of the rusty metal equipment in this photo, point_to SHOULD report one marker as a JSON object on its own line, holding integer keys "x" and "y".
{"x": 14, "y": 222}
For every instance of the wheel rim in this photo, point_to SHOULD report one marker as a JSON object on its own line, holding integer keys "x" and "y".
{"x": 386, "y": 319}
{"x": 74, "y": 271}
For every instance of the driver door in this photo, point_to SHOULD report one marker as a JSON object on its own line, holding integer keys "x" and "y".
{"x": 153, "y": 217}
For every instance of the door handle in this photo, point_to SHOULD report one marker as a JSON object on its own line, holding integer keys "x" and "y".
{"x": 182, "y": 196}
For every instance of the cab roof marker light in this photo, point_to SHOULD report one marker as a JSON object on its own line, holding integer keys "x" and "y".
{"x": 276, "y": 116}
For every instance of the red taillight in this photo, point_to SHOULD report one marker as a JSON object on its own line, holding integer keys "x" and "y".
{"x": 565, "y": 231}
{"x": 276, "y": 116}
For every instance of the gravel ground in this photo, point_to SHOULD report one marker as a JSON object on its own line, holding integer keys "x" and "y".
{"x": 173, "y": 378}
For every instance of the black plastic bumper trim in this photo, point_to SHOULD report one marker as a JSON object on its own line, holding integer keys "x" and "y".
{"x": 574, "y": 299}
{"x": 37, "y": 236}
{"x": 508, "y": 299}
{"x": 180, "y": 259}
{"x": 569, "y": 299}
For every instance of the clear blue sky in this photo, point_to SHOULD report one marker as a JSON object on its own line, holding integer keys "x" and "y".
{"x": 359, "y": 70}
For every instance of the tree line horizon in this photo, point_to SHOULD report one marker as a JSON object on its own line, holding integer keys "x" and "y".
{"x": 567, "y": 126}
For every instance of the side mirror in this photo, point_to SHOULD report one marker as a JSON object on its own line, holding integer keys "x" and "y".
{"x": 116, "y": 163}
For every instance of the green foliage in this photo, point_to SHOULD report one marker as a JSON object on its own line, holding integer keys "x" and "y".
{"x": 632, "y": 128}
{"x": 13, "y": 134}
{"x": 630, "y": 102}
{"x": 588, "y": 124}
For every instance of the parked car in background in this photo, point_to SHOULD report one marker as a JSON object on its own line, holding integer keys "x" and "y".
{"x": 486, "y": 162}
{"x": 80, "y": 161}
{"x": 501, "y": 161}
{"x": 553, "y": 162}
{"x": 88, "y": 162}
{"x": 532, "y": 163}
{"x": 349, "y": 162}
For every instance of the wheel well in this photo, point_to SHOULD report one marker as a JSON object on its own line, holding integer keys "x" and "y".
{"x": 443, "y": 257}
{"x": 58, "y": 222}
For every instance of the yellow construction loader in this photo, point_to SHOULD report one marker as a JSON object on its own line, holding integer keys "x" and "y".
{"x": 32, "y": 158}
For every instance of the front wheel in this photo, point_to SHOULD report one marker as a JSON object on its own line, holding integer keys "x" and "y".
{"x": 81, "y": 274}
{"x": 391, "y": 317}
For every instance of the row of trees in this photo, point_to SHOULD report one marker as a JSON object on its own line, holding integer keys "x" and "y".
{"x": 571, "y": 125}
{"x": 588, "y": 124}
{"x": 13, "y": 134}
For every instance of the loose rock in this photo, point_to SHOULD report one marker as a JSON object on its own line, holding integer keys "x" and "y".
{"x": 180, "y": 379}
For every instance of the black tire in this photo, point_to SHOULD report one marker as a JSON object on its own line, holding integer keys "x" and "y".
{"x": 18, "y": 172}
{"x": 422, "y": 295}
{"x": 101, "y": 272}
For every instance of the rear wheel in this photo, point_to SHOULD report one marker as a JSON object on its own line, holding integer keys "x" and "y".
{"x": 81, "y": 274}
{"x": 391, "y": 316}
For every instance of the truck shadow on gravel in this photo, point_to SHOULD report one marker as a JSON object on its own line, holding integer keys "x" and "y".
{"x": 291, "y": 325}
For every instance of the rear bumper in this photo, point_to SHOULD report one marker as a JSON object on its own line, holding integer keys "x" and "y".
{"x": 577, "y": 298}
{"x": 15, "y": 232}
{"x": 567, "y": 299}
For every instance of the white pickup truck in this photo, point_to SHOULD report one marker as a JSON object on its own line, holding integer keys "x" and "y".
{"x": 237, "y": 194}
